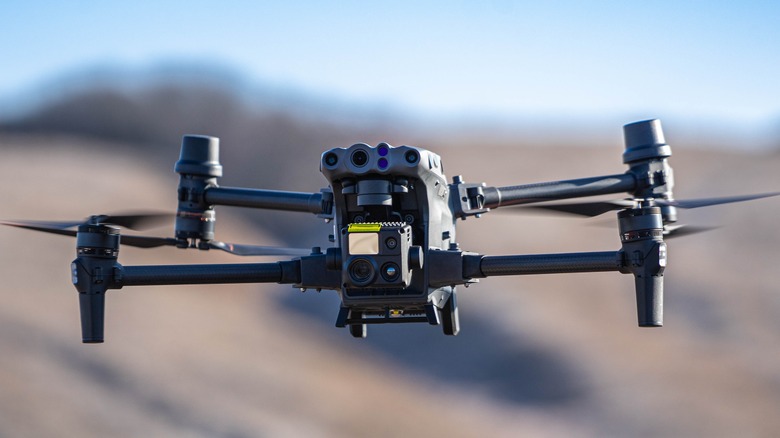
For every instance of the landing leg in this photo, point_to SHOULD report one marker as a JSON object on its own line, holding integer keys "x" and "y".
{"x": 450, "y": 318}
{"x": 357, "y": 330}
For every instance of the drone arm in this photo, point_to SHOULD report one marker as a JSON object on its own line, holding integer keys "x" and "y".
{"x": 549, "y": 263}
{"x": 470, "y": 199}
{"x": 642, "y": 255}
{"x": 576, "y": 188}
{"x": 195, "y": 216}
{"x": 317, "y": 203}
{"x": 96, "y": 270}
{"x": 275, "y": 272}
{"x": 649, "y": 174}
{"x": 198, "y": 192}
{"x": 646, "y": 260}
{"x": 455, "y": 267}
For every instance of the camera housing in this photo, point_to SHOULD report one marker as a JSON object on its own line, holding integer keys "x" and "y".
{"x": 396, "y": 191}
{"x": 376, "y": 255}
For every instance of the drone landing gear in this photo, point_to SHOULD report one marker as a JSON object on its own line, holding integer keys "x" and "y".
{"x": 449, "y": 316}
{"x": 354, "y": 319}
{"x": 357, "y": 330}
{"x": 358, "y": 320}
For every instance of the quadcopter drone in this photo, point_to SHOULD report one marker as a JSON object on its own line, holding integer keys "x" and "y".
{"x": 395, "y": 257}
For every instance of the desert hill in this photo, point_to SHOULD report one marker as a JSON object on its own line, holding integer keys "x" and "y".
{"x": 538, "y": 355}
{"x": 183, "y": 361}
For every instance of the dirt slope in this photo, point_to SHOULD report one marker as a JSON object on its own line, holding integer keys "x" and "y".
{"x": 234, "y": 361}
{"x": 178, "y": 361}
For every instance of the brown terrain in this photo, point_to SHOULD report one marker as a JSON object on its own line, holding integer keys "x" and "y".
{"x": 556, "y": 355}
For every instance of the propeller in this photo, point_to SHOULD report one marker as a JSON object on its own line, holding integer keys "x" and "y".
{"x": 142, "y": 221}
{"x": 596, "y": 208}
{"x": 132, "y": 221}
{"x": 680, "y": 230}
{"x": 588, "y": 209}
{"x": 706, "y": 202}
{"x": 256, "y": 250}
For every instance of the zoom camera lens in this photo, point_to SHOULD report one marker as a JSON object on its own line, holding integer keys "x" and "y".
{"x": 359, "y": 158}
{"x": 361, "y": 272}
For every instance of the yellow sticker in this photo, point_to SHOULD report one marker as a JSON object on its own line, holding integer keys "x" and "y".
{"x": 364, "y": 228}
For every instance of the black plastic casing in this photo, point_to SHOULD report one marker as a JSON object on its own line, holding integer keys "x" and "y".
{"x": 647, "y": 155}
{"x": 644, "y": 256}
{"x": 199, "y": 168}
{"x": 392, "y": 184}
{"x": 97, "y": 249}
{"x": 394, "y": 243}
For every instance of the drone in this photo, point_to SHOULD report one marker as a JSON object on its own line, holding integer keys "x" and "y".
{"x": 395, "y": 257}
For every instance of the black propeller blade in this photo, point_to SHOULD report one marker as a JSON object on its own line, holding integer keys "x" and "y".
{"x": 134, "y": 221}
{"x": 256, "y": 250}
{"x": 680, "y": 230}
{"x": 46, "y": 227}
{"x": 232, "y": 248}
{"x": 596, "y": 208}
{"x": 140, "y": 221}
{"x": 589, "y": 209}
{"x": 706, "y": 202}
{"x": 147, "y": 241}
{"x": 143, "y": 220}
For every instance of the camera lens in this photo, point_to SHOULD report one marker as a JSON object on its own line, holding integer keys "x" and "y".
{"x": 331, "y": 159}
{"x": 359, "y": 158}
{"x": 362, "y": 272}
{"x": 390, "y": 271}
{"x": 391, "y": 242}
{"x": 412, "y": 157}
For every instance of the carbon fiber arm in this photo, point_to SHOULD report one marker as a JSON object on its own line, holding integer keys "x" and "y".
{"x": 275, "y": 272}
{"x": 550, "y": 263}
{"x": 456, "y": 267}
{"x": 576, "y": 188}
{"x": 317, "y": 203}
{"x": 469, "y": 199}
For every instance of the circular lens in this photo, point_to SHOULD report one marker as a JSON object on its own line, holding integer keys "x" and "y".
{"x": 359, "y": 158}
{"x": 391, "y": 242}
{"x": 361, "y": 271}
{"x": 390, "y": 271}
{"x": 412, "y": 157}
{"x": 382, "y": 163}
{"x": 331, "y": 159}
{"x": 382, "y": 150}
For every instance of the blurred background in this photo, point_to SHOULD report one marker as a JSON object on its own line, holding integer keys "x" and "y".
{"x": 94, "y": 99}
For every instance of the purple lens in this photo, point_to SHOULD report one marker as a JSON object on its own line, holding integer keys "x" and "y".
{"x": 382, "y": 150}
{"x": 382, "y": 163}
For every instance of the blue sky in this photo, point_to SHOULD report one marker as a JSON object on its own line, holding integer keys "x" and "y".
{"x": 714, "y": 59}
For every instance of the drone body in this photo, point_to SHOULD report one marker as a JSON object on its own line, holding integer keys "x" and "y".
{"x": 395, "y": 258}
{"x": 392, "y": 209}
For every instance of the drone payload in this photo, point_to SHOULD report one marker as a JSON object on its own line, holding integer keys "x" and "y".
{"x": 395, "y": 257}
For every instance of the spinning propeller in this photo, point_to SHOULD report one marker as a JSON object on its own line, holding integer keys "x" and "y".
{"x": 141, "y": 221}
{"x": 597, "y": 208}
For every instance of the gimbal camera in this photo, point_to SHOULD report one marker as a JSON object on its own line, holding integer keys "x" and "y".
{"x": 395, "y": 257}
